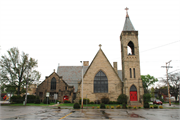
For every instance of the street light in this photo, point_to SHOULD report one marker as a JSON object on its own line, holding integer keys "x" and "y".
{"x": 82, "y": 87}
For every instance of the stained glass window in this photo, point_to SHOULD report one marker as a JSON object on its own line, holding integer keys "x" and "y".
{"x": 53, "y": 84}
{"x": 100, "y": 83}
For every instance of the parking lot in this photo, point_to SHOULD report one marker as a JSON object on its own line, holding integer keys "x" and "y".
{"x": 52, "y": 113}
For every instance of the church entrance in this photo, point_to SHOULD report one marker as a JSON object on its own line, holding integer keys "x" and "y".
{"x": 133, "y": 93}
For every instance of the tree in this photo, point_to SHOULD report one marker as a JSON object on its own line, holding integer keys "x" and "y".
{"x": 14, "y": 68}
{"x": 147, "y": 81}
{"x": 174, "y": 82}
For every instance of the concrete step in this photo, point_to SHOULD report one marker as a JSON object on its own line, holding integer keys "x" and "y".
{"x": 135, "y": 103}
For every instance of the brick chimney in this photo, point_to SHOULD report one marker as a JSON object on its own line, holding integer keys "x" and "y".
{"x": 85, "y": 63}
{"x": 115, "y": 66}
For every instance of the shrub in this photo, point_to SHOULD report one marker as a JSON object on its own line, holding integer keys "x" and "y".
{"x": 161, "y": 107}
{"x": 76, "y": 106}
{"x": 67, "y": 101}
{"x": 84, "y": 101}
{"x": 45, "y": 101}
{"x": 98, "y": 107}
{"x": 107, "y": 107}
{"x": 37, "y": 100}
{"x": 17, "y": 99}
{"x": 155, "y": 106}
{"x": 105, "y": 100}
{"x": 146, "y": 97}
{"x": 151, "y": 106}
{"x": 146, "y": 105}
{"x": 30, "y": 98}
{"x": 124, "y": 106}
{"x": 59, "y": 101}
{"x": 97, "y": 102}
{"x": 92, "y": 107}
{"x": 122, "y": 99}
{"x": 134, "y": 107}
{"x": 139, "y": 107}
{"x": 112, "y": 107}
{"x": 91, "y": 103}
{"x": 129, "y": 107}
{"x": 110, "y": 102}
{"x": 102, "y": 106}
{"x": 118, "y": 107}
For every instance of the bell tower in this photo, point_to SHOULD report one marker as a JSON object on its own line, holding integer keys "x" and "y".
{"x": 132, "y": 87}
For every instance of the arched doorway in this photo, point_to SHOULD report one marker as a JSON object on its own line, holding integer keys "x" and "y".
{"x": 133, "y": 93}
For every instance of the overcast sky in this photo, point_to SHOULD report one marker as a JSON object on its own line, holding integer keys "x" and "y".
{"x": 70, "y": 31}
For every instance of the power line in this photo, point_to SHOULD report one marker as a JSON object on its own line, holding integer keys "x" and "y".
{"x": 160, "y": 46}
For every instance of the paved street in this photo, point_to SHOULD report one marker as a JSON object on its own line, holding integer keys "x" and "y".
{"x": 52, "y": 113}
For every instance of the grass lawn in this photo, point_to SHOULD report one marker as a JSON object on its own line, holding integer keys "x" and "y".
{"x": 88, "y": 105}
{"x": 28, "y": 104}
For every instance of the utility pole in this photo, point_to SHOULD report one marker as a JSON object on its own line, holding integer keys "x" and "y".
{"x": 82, "y": 87}
{"x": 167, "y": 67}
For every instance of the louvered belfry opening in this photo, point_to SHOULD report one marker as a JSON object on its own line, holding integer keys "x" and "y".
{"x": 100, "y": 83}
{"x": 53, "y": 84}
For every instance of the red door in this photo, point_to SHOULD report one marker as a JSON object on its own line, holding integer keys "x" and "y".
{"x": 133, "y": 96}
{"x": 65, "y": 98}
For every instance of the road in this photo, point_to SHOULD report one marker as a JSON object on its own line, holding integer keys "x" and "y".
{"x": 52, "y": 113}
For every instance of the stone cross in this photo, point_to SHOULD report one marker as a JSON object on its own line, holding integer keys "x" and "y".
{"x": 100, "y": 45}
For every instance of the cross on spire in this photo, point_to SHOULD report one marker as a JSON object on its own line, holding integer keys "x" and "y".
{"x": 126, "y": 11}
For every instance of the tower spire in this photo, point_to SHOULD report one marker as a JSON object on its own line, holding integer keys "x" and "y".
{"x": 128, "y": 26}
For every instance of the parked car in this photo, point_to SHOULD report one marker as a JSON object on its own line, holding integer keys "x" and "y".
{"x": 157, "y": 102}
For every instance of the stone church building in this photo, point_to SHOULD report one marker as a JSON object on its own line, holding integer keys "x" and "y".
{"x": 100, "y": 78}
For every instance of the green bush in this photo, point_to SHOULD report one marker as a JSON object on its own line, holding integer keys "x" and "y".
{"x": 91, "y": 103}
{"x": 67, "y": 101}
{"x": 17, "y": 99}
{"x": 84, "y": 101}
{"x": 146, "y": 105}
{"x": 37, "y": 101}
{"x": 76, "y": 106}
{"x": 147, "y": 97}
{"x": 155, "y": 106}
{"x": 45, "y": 101}
{"x": 30, "y": 98}
{"x": 124, "y": 106}
{"x": 105, "y": 100}
{"x": 122, "y": 99}
{"x": 102, "y": 106}
{"x": 97, "y": 102}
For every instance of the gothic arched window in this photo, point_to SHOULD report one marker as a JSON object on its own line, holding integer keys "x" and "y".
{"x": 133, "y": 88}
{"x": 100, "y": 83}
{"x": 130, "y": 48}
{"x": 53, "y": 84}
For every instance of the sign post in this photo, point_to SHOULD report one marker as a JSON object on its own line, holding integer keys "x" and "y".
{"x": 55, "y": 97}
{"x": 47, "y": 95}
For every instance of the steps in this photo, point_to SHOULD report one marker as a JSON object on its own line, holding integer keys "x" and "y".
{"x": 135, "y": 103}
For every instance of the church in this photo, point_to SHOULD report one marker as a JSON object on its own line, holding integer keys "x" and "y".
{"x": 100, "y": 78}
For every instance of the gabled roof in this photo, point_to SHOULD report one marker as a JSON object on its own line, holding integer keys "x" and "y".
{"x": 106, "y": 59}
{"x": 128, "y": 26}
{"x": 120, "y": 74}
{"x": 71, "y": 74}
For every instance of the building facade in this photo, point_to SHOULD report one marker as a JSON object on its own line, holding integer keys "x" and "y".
{"x": 54, "y": 84}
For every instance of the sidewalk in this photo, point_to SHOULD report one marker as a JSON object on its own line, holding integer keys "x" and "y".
{"x": 172, "y": 106}
{"x": 4, "y": 102}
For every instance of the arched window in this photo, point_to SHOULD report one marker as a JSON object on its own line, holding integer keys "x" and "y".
{"x": 130, "y": 48}
{"x": 134, "y": 73}
{"x": 53, "y": 84}
{"x": 130, "y": 72}
{"x": 100, "y": 83}
{"x": 133, "y": 88}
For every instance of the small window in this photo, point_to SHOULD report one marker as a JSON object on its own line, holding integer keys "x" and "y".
{"x": 134, "y": 73}
{"x": 130, "y": 72}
